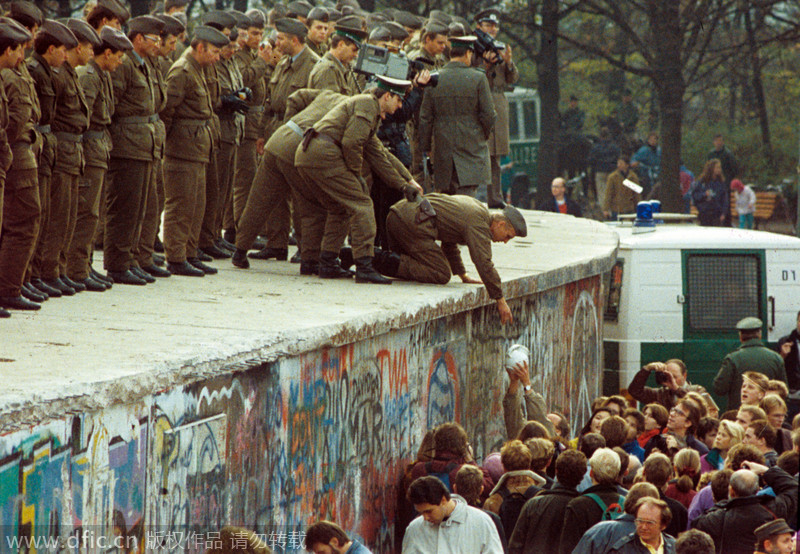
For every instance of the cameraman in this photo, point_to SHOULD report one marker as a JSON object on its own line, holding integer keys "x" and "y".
{"x": 502, "y": 73}
{"x": 671, "y": 375}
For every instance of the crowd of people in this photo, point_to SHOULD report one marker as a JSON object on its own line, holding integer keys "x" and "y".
{"x": 253, "y": 132}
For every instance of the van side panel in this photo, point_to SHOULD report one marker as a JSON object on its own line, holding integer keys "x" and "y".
{"x": 783, "y": 284}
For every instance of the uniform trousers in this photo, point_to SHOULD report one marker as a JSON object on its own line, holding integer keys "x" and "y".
{"x": 184, "y": 206}
{"x": 58, "y": 230}
{"x": 421, "y": 258}
{"x": 90, "y": 186}
{"x": 126, "y": 194}
{"x": 148, "y": 229}
{"x": 20, "y": 227}
{"x": 246, "y": 164}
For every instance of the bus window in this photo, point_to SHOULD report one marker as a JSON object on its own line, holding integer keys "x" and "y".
{"x": 531, "y": 115}
{"x": 614, "y": 292}
{"x": 721, "y": 289}
{"x": 513, "y": 120}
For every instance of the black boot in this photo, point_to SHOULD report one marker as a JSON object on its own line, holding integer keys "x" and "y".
{"x": 198, "y": 263}
{"x": 41, "y": 286}
{"x": 386, "y": 263}
{"x": 239, "y": 259}
{"x": 365, "y": 273}
{"x": 32, "y": 295}
{"x": 329, "y": 267}
{"x": 309, "y": 268}
{"x": 346, "y": 257}
{"x": 266, "y": 253}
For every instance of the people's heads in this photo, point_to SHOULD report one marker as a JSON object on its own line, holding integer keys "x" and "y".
{"x": 678, "y": 370}
{"x": 684, "y": 417}
{"x": 434, "y": 38}
{"x": 207, "y": 45}
{"x": 616, "y": 404}
{"x": 506, "y": 224}
{"x": 754, "y": 387}
{"x": 615, "y": 430}
{"x": 747, "y": 414}
{"x": 719, "y": 142}
{"x": 719, "y": 484}
{"x": 694, "y": 396}
{"x": 343, "y": 49}
{"x": 541, "y": 451}
{"x": 776, "y": 386}
{"x": 325, "y": 537}
{"x": 694, "y": 541}
{"x": 291, "y": 36}
{"x": 108, "y": 56}
{"x": 144, "y": 32}
{"x": 605, "y": 466}
{"x": 107, "y": 13}
{"x": 635, "y": 420}
{"x": 624, "y": 462}
{"x": 570, "y": 468}
{"x": 450, "y": 437}
{"x": 623, "y": 162}
{"x": 712, "y": 410}
{"x": 655, "y": 416}
{"x": 652, "y": 517}
{"x": 533, "y": 430}
{"x": 788, "y": 462}
{"x": 760, "y": 434}
{"x": 469, "y": 483}
{"x": 426, "y": 450}
{"x": 636, "y": 492}
{"x": 743, "y": 483}
{"x": 318, "y": 22}
{"x": 687, "y": 468}
{"x": 652, "y": 139}
{"x": 558, "y": 188}
{"x": 740, "y": 453}
{"x": 596, "y": 421}
{"x": 749, "y": 328}
{"x": 516, "y": 456}
{"x": 430, "y": 498}
{"x": 598, "y": 402}
{"x": 657, "y": 470}
{"x": 488, "y": 22}
{"x": 774, "y": 537}
{"x": 561, "y": 425}
{"x": 590, "y": 442}
{"x": 52, "y": 42}
{"x": 729, "y": 435}
{"x": 707, "y": 431}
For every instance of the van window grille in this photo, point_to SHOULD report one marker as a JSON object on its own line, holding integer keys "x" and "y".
{"x": 722, "y": 289}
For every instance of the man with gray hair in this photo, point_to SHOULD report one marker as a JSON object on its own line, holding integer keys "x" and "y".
{"x": 596, "y": 502}
{"x": 732, "y": 523}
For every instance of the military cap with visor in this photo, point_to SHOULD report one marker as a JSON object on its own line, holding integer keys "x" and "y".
{"x": 440, "y": 16}
{"x": 380, "y": 34}
{"x": 749, "y": 324}
{"x": 466, "y": 41}
{"x": 211, "y": 36}
{"x": 58, "y": 32}
{"x": 299, "y": 8}
{"x": 490, "y": 15}
{"x": 115, "y": 39}
{"x": 291, "y": 27}
{"x": 242, "y": 21}
{"x": 435, "y": 27}
{"x": 408, "y": 19}
{"x": 771, "y": 529}
{"x": 356, "y": 36}
{"x": 169, "y": 4}
{"x": 395, "y": 86}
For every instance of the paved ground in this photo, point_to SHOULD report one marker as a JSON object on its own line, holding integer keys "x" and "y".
{"x": 93, "y": 349}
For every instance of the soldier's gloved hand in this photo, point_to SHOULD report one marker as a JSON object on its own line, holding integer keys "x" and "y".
{"x": 410, "y": 192}
{"x": 245, "y": 93}
{"x": 232, "y": 103}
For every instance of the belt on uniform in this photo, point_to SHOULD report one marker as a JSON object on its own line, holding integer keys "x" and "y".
{"x": 96, "y": 135}
{"x": 68, "y": 137}
{"x": 256, "y": 109}
{"x": 294, "y": 127}
{"x": 138, "y": 119}
{"x": 44, "y": 129}
{"x": 192, "y": 122}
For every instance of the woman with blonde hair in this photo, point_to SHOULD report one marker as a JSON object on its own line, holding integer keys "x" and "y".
{"x": 730, "y": 434}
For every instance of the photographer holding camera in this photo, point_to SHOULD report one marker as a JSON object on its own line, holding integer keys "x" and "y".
{"x": 671, "y": 376}
{"x": 502, "y": 73}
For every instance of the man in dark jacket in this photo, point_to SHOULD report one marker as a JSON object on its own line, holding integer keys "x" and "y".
{"x": 732, "y": 522}
{"x": 658, "y": 471}
{"x": 652, "y": 517}
{"x": 538, "y": 528}
{"x": 790, "y": 352}
{"x": 560, "y": 202}
{"x": 584, "y": 511}
{"x": 673, "y": 374}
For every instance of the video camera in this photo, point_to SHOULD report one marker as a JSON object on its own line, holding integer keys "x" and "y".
{"x": 486, "y": 43}
{"x": 374, "y": 60}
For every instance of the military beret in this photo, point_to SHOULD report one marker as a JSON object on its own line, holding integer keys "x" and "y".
{"x": 257, "y": 18}
{"x": 318, "y": 14}
{"x": 491, "y": 15}
{"x": 59, "y": 32}
{"x": 440, "y": 16}
{"x": 435, "y": 27}
{"x": 83, "y": 31}
{"x": 515, "y": 218}
{"x": 457, "y": 29}
{"x": 219, "y": 20}
{"x": 291, "y": 27}
{"x": 770, "y": 529}
{"x": 355, "y": 35}
{"x": 211, "y": 36}
{"x": 334, "y": 14}
{"x": 749, "y": 324}
{"x": 174, "y": 4}
{"x": 395, "y": 86}
{"x": 113, "y": 7}
{"x": 299, "y": 8}
{"x": 181, "y": 17}
{"x": 463, "y": 41}
{"x": 145, "y": 25}
{"x": 114, "y": 39}
{"x": 380, "y": 34}
{"x": 351, "y": 3}
{"x": 375, "y": 19}
{"x": 172, "y": 25}
{"x": 352, "y": 21}
{"x": 26, "y": 13}
{"x": 12, "y": 30}
{"x": 242, "y": 21}
{"x": 348, "y": 10}
{"x": 408, "y": 19}
{"x": 397, "y": 31}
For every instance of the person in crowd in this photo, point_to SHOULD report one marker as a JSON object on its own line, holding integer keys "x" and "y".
{"x": 686, "y": 465}
{"x": 745, "y": 203}
{"x": 653, "y": 517}
{"x": 751, "y": 355}
{"x": 747, "y": 414}
{"x": 694, "y": 542}
{"x": 657, "y": 470}
{"x": 754, "y": 388}
{"x": 446, "y": 523}
{"x": 762, "y": 435}
{"x": 602, "y": 159}
{"x": 616, "y": 403}
{"x": 710, "y": 195}
{"x": 774, "y": 537}
{"x": 619, "y": 197}
{"x": 707, "y": 430}
{"x": 671, "y": 375}
{"x": 683, "y": 420}
{"x": 469, "y": 486}
{"x": 593, "y": 425}
{"x": 615, "y": 430}
{"x": 635, "y": 420}
{"x": 539, "y": 524}
{"x": 730, "y": 166}
{"x": 518, "y": 477}
{"x": 519, "y": 377}
{"x": 656, "y": 417}
{"x": 560, "y": 202}
{"x": 729, "y": 435}
{"x": 543, "y": 452}
{"x": 562, "y": 430}
{"x": 647, "y": 162}
{"x": 775, "y": 408}
{"x": 789, "y": 349}
{"x": 325, "y": 537}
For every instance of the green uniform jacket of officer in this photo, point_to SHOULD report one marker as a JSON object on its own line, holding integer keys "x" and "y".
{"x": 212, "y": 86}
{"x": 99, "y": 94}
{"x": 230, "y": 80}
{"x": 456, "y": 118}
{"x": 329, "y": 73}
{"x": 133, "y": 132}
{"x": 289, "y": 76}
{"x": 459, "y": 220}
{"x": 23, "y": 116}
{"x": 159, "y": 66}
{"x": 255, "y": 73}
{"x": 42, "y": 75}
{"x": 501, "y": 77}
{"x": 188, "y": 112}
{"x": 72, "y": 116}
{"x": 752, "y": 355}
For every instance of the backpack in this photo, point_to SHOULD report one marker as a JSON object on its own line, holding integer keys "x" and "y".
{"x": 443, "y": 476}
{"x": 512, "y": 505}
{"x": 612, "y": 511}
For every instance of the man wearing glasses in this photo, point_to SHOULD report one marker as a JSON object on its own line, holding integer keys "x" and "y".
{"x": 652, "y": 517}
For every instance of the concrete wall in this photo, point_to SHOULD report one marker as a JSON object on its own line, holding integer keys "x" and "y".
{"x": 326, "y": 433}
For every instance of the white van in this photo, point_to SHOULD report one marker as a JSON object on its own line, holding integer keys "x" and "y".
{"x": 678, "y": 291}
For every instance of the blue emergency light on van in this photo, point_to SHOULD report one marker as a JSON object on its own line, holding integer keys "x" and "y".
{"x": 644, "y": 215}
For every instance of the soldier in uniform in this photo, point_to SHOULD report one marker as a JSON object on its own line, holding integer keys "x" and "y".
{"x": 502, "y": 73}
{"x": 134, "y": 151}
{"x": 456, "y": 119}
{"x": 453, "y": 220}
{"x": 299, "y": 9}
{"x": 333, "y": 71}
{"x": 19, "y": 207}
{"x": 253, "y": 63}
{"x": 317, "y": 21}
{"x": 290, "y": 74}
{"x": 95, "y": 81}
{"x": 187, "y": 117}
{"x": 107, "y": 13}
{"x": 331, "y": 158}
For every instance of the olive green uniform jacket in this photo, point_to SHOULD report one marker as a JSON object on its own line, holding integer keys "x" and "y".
{"x": 133, "y": 132}
{"x": 255, "y": 72}
{"x": 187, "y": 115}
{"x": 99, "y": 94}
{"x": 752, "y": 355}
{"x": 329, "y": 73}
{"x": 289, "y": 75}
